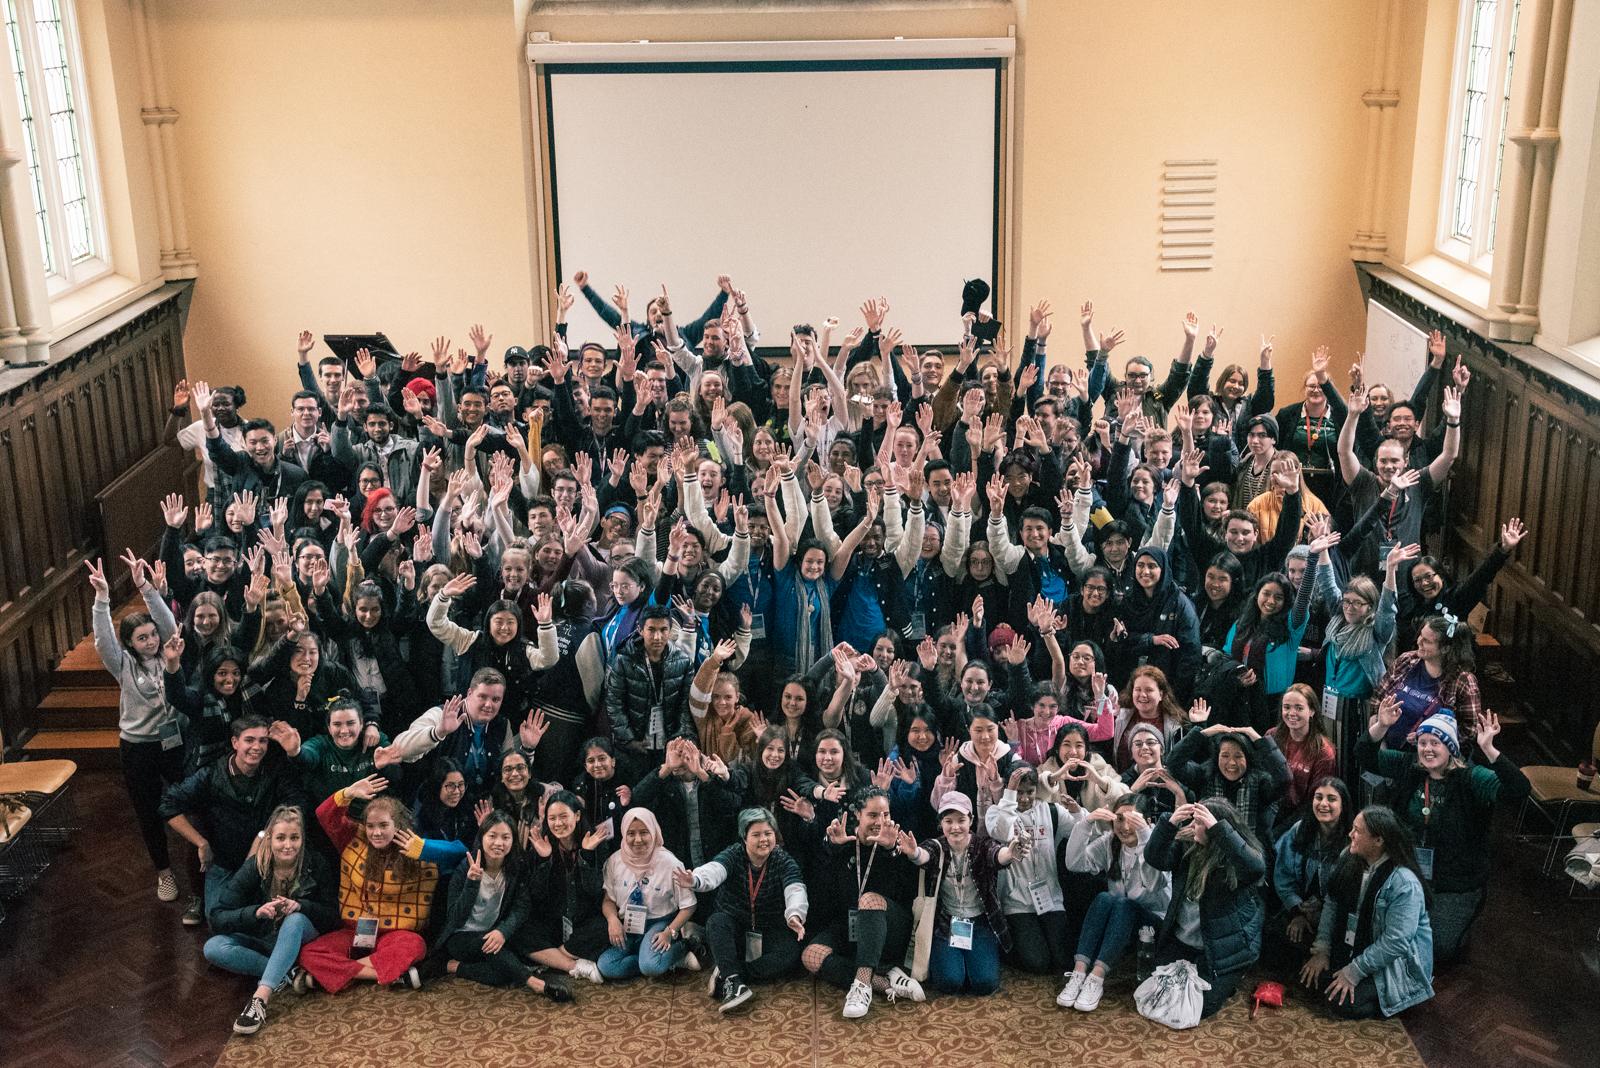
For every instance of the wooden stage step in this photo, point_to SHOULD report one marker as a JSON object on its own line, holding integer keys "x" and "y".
{"x": 90, "y": 748}
{"x": 68, "y": 707}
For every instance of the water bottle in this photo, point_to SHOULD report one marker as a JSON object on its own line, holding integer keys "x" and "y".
{"x": 1147, "y": 952}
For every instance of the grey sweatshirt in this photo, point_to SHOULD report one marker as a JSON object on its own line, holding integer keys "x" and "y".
{"x": 144, "y": 708}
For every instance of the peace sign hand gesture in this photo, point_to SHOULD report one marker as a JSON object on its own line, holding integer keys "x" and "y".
{"x": 475, "y": 866}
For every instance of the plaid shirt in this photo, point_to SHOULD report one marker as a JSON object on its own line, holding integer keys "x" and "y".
{"x": 983, "y": 853}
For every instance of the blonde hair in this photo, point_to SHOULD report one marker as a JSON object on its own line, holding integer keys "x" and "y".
{"x": 406, "y": 869}
{"x": 266, "y": 867}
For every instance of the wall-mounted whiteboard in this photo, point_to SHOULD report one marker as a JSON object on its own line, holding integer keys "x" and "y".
{"x": 815, "y": 185}
{"x": 1396, "y": 351}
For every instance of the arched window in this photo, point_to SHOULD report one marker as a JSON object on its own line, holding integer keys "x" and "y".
{"x": 1486, "y": 45}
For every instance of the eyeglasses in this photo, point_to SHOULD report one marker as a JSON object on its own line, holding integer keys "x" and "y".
{"x": 1354, "y": 602}
{"x": 1097, "y": 588}
{"x": 453, "y": 787}
{"x": 1138, "y": 374}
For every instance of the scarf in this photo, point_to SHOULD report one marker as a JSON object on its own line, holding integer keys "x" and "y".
{"x": 804, "y": 655}
{"x": 634, "y": 864}
{"x": 1242, "y": 794}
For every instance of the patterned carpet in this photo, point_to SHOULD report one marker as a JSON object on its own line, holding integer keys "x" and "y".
{"x": 673, "y": 1023}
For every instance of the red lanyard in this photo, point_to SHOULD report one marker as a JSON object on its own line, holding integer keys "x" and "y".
{"x": 1311, "y": 439}
{"x": 754, "y": 885}
{"x": 1427, "y": 801}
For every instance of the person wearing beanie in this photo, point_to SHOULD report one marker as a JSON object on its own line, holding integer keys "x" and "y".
{"x": 1448, "y": 807}
{"x": 1157, "y": 789}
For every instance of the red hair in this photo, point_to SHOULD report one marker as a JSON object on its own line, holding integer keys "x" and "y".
{"x": 374, "y": 498}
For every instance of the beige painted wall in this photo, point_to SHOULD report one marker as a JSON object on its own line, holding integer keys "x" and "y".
{"x": 1272, "y": 91}
{"x": 350, "y": 167}
{"x": 363, "y": 165}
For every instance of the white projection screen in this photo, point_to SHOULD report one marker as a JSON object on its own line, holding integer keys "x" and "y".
{"x": 813, "y": 184}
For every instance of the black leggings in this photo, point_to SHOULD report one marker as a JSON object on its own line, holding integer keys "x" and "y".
{"x": 1039, "y": 942}
{"x": 490, "y": 969}
{"x": 147, "y": 769}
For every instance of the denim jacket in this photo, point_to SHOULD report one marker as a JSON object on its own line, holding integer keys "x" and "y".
{"x": 1400, "y": 958}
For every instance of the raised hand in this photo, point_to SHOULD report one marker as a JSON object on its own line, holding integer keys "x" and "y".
{"x": 1511, "y": 534}
{"x": 97, "y": 579}
{"x": 368, "y": 788}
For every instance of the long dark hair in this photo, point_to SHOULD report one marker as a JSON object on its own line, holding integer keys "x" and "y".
{"x": 455, "y": 824}
{"x": 766, "y": 785}
{"x": 1208, "y": 857}
{"x": 1398, "y": 846}
{"x": 575, "y": 803}
{"x": 1251, "y": 623}
{"x": 853, "y": 774}
{"x": 1308, "y": 832}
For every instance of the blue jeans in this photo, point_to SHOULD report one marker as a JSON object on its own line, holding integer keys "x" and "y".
{"x": 269, "y": 961}
{"x": 636, "y": 956}
{"x": 1107, "y": 928}
{"x": 216, "y": 879}
{"x": 971, "y": 971}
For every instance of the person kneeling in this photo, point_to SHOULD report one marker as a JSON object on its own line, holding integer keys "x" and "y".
{"x": 1375, "y": 932}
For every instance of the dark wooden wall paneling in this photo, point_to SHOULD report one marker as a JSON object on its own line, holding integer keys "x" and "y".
{"x": 1531, "y": 449}
{"x": 65, "y": 435}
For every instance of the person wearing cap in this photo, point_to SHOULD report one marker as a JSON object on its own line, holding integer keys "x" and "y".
{"x": 970, "y": 928}
{"x": 1157, "y": 789}
{"x": 760, "y": 909}
{"x": 1448, "y": 806}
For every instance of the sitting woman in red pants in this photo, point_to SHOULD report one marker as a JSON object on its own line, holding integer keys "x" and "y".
{"x": 387, "y": 879}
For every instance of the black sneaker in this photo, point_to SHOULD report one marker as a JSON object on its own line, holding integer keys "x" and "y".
{"x": 251, "y": 1019}
{"x": 411, "y": 980}
{"x": 194, "y": 914}
{"x": 557, "y": 990}
{"x": 734, "y": 994}
{"x": 292, "y": 980}
{"x": 302, "y": 982}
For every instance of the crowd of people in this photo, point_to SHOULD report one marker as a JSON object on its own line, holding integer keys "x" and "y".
{"x": 607, "y": 662}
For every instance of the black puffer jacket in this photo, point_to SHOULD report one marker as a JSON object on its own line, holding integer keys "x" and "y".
{"x": 1230, "y": 918}
{"x": 232, "y": 808}
{"x": 631, "y": 693}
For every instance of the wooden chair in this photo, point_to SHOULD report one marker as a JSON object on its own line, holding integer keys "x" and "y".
{"x": 1556, "y": 796}
{"x": 46, "y": 788}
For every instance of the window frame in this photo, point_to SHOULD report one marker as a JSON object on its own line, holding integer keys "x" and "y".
{"x": 64, "y": 276}
{"x": 1477, "y": 254}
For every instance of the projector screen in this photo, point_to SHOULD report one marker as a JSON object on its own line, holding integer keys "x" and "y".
{"x": 814, "y": 185}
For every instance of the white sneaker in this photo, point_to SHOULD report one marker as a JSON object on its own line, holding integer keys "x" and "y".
{"x": 588, "y": 969}
{"x": 716, "y": 981}
{"x": 690, "y": 962}
{"x": 901, "y": 985}
{"x": 1089, "y": 996}
{"x": 1069, "y": 993}
{"x": 857, "y": 1001}
{"x": 166, "y": 887}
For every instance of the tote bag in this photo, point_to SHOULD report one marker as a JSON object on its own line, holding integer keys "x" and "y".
{"x": 924, "y": 910}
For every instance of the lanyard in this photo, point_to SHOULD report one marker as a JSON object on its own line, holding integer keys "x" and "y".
{"x": 863, "y": 875}
{"x": 1388, "y": 524}
{"x": 1427, "y": 801}
{"x": 754, "y": 886}
{"x": 1312, "y": 438}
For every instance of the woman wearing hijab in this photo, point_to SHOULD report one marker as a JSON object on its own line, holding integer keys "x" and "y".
{"x": 645, "y": 909}
{"x": 1158, "y": 624}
